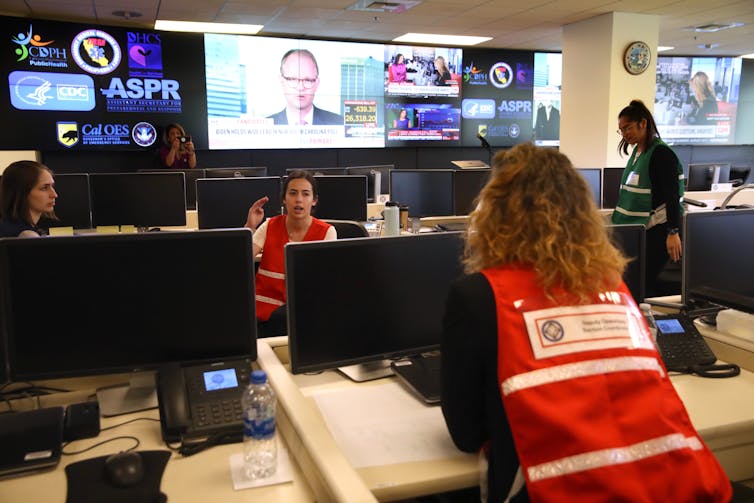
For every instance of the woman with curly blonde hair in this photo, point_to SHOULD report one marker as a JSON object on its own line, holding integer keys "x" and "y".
{"x": 548, "y": 368}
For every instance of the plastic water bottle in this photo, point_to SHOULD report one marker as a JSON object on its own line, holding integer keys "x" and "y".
{"x": 259, "y": 443}
{"x": 646, "y": 310}
{"x": 391, "y": 214}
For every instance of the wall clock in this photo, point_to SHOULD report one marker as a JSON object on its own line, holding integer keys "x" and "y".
{"x": 637, "y": 57}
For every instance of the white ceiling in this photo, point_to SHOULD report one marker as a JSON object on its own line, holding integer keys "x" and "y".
{"x": 533, "y": 24}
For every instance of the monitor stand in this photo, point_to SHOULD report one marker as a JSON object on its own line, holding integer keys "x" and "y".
{"x": 139, "y": 394}
{"x": 367, "y": 371}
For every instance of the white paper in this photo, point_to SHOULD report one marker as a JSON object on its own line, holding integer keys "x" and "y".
{"x": 383, "y": 424}
{"x": 283, "y": 473}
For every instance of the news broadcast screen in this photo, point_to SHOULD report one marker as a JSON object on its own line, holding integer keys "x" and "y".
{"x": 265, "y": 92}
{"x": 497, "y": 103}
{"x": 415, "y": 71}
{"x": 548, "y": 82}
{"x": 696, "y": 99}
{"x": 409, "y": 122}
{"x": 85, "y": 87}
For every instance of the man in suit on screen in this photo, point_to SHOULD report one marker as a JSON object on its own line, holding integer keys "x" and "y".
{"x": 299, "y": 78}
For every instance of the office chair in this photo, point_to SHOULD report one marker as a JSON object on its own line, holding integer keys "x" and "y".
{"x": 349, "y": 229}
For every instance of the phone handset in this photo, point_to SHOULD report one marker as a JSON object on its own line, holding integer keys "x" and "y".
{"x": 172, "y": 398}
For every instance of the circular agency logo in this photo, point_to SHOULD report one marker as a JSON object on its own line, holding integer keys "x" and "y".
{"x": 552, "y": 331}
{"x": 96, "y": 52}
{"x": 144, "y": 134}
{"x": 501, "y": 75}
{"x": 514, "y": 130}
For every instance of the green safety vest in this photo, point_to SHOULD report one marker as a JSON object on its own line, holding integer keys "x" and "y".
{"x": 635, "y": 197}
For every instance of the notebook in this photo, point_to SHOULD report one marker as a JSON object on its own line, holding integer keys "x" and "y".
{"x": 31, "y": 440}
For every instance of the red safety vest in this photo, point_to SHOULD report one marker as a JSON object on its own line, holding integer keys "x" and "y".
{"x": 270, "y": 278}
{"x": 593, "y": 414}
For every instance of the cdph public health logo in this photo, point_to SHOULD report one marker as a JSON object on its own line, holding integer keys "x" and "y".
{"x": 38, "y": 52}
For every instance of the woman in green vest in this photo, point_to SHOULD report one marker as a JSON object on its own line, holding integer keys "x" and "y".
{"x": 650, "y": 191}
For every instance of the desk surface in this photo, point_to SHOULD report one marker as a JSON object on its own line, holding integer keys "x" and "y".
{"x": 721, "y": 410}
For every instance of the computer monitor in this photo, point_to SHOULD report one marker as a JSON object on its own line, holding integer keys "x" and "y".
{"x": 378, "y": 179}
{"x": 401, "y": 283}
{"x": 426, "y": 192}
{"x": 320, "y": 171}
{"x": 701, "y": 177}
{"x": 611, "y": 178}
{"x": 342, "y": 197}
{"x": 717, "y": 265}
{"x": 593, "y": 177}
{"x": 631, "y": 239}
{"x": 740, "y": 174}
{"x": 73, "y": 206}
{"x": 467, "y": 184}
{"x": 191, "y": 176}
{"x": 140, "y": 199}
{"x": 123, "y": 302}
{"x": 235, "y": 172}
{"x": 225, "y": 202}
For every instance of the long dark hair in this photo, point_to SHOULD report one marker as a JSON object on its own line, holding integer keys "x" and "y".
{"x": 19, "y": 178}
{"x": 635, "y": 112}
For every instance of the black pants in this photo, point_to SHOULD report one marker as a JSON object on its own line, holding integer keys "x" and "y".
{"x": 276, "y": 325}
{"x": 656, "y": 256}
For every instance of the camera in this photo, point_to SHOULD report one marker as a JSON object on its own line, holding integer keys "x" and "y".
{"x": 184, "y": 139}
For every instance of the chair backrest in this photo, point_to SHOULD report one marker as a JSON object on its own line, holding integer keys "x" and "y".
{"x": 349, "y": 229}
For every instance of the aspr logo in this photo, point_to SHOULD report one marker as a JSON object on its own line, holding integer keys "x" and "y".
{"x": 478, "y": 109}
{"x": 96, "y": 52}
{"x": 144, "y": 134}
{"x": 144, "y": 54}
{"x": 51, "y": 91}
{"x": 501, "y": 75}
{"x": 68, "y": 133}
{"x": 32, "y": 48}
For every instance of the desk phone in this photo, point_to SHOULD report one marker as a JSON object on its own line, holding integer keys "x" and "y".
{"x": 202, "y": 400}
{"x": 680, "y": 343}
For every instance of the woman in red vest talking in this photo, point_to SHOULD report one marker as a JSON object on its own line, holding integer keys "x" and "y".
{"x": 270, "y": 237}
{"x": 548, "y": 367}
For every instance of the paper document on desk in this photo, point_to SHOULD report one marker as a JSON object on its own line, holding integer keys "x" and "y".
{"x": 383, "y": 425}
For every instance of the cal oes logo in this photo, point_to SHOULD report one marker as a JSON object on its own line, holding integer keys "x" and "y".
{"x": 68, "y": 133}
{"x": 501, "y": 75}
{"x": 96, "y": 52}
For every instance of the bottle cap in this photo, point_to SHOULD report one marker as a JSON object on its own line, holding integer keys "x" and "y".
{"x": 644, "y": 306}
{"x": 258, "y": 377}
{"x": 391, "y": 203}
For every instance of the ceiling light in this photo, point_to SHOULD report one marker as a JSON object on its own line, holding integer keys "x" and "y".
{"x": 392, "y": 6}
{"x": 708, "y": 46}
{"x": 748, "y": 56}
{"x": 661, "y": 48}
{"x": 713, "y": 27}
{"x": 245, "y": 29}
{"x": 126, "y": 14}
{"x": 451, "y": 40}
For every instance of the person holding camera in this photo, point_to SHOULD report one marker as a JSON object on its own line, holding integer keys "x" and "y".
{"x": 177, "y": 151}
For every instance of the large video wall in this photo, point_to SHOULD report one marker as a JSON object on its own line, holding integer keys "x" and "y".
{"x": 82, "y": 87}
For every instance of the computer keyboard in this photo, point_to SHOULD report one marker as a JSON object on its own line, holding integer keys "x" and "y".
{"x": 422, "y": 375}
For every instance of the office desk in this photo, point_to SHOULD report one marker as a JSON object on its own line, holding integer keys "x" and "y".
{"x": 722, "y": 410}
{"x": 200, "y": 478}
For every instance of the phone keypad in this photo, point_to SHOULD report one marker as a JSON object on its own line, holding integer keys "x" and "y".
{"x": 217, "y": 412}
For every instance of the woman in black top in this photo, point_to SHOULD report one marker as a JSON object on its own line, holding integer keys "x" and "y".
{"x": 27, "y": 192}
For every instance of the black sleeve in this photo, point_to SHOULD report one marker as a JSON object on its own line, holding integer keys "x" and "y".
{"x": 663, "y": 175}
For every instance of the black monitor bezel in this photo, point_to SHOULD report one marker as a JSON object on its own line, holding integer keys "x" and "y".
{"x": 596, "y": 189}
{"x": 369, "y": 311}
{"x": 358, "y": 212}
{"x": 191, "y": 176}
{"x": 640, "y": 261}
{"x": 694, "y": 171}
{"x": 412, "y": 210}
{"x": 466, "y": 206}
{"x": 246, "y": 270}
{"x": 82, "y": 220}
{"x": 158, "y": 215}
{"x": 236, "y": 172}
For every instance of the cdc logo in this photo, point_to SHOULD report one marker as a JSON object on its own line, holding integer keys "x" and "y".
{"x": 478, "y": 109}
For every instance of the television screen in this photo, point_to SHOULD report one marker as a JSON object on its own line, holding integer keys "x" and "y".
{"x": 416, "y": 71}
{"x": 225, "y": 202}
{"x": 426, "y": 192}
{"x": 548, "y": 82}
{"x": 142, "y": 300}
{"x": 696, "y": 99}
{"x": 408, "y": 320}
{"x": 408, "y": 122}
{"x": 73, "y": 206}
{"x": 262, "y": 95}
{"x": 716, "y": 260}
{"x": 140, "y": 199}
{"x": 341, "y": 197}
{"x": 467, "y": 184}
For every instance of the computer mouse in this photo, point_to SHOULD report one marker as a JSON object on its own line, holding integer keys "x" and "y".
{"x": 124, "y": 469}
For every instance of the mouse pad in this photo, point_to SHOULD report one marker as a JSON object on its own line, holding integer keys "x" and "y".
{"x": 87, "y": 482}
